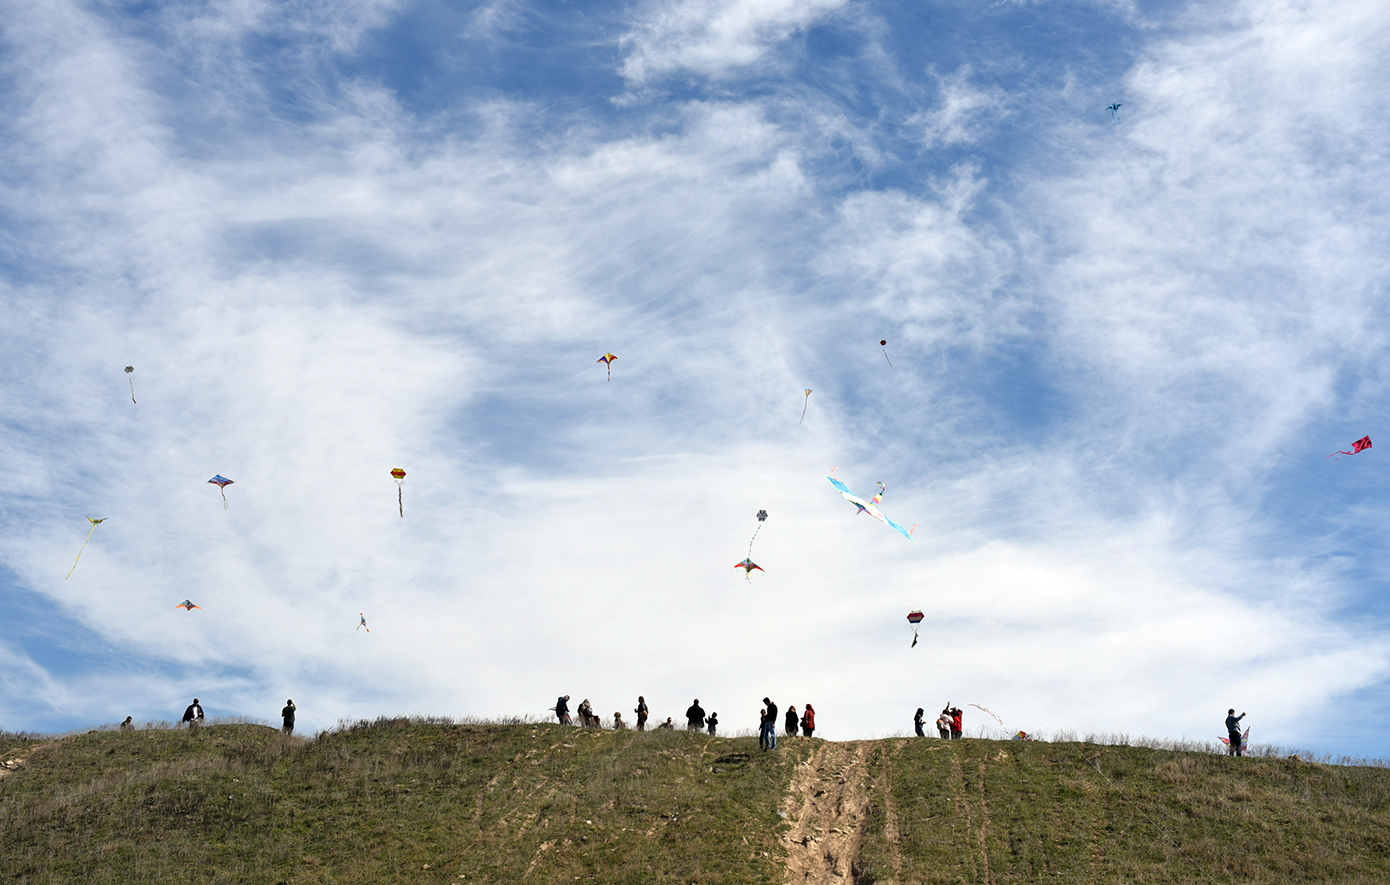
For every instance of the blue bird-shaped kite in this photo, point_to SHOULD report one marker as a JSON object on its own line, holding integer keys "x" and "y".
{"x": 1114, "y": 110}
{"x": 870, "y": 507}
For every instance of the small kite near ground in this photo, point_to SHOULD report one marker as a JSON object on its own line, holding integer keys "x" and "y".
{"x": 914, "y": 618}
{"x": 1023, "y": 736}
{"x": 222, "y": 482}
{"x": 1360, "y": 445}
{"x": 1114, "y": 110}
{"x": 992, "y": 713}
{"x": 748, "y": 565}
{"x": 805, "y": 404}
{"x": 128, "y": 370}
{"x": 884, "y": 344}
{"x": 188, "y": 606}
{"x": 1244, "y": 740}
{"x": 399, "y": 475}
{"x": 362, "y": 622}
{"x": 607, "y": 360}
{"x": 870, "y": 507}
{"x": 95, "y": 523}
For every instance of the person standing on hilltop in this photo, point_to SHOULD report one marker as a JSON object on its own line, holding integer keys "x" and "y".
{"x": 789, "y": 727}
{"x": 957, "y": 724}
{"x": 562, "y": 709}
{"x": 808, "y": 720}
{"x": 193, "y": 715}
{"x": 917, "y": 719}
{"x": 1233, "y": 732}
{"x": 641, "y": 712}
{"x": 695, "y": 716}
{"x": 713, "y": 723}
{"x": 770, "y": 725}
{"x": 762, "y": 728}
{"x": 287, "y": 716}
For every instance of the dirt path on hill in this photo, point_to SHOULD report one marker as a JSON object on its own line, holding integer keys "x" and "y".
{"x": 826, "y": 805}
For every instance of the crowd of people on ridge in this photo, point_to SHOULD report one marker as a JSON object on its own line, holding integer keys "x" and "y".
{"x": 695, "y": 719}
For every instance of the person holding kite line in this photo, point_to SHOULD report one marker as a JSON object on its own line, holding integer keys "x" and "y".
{"x": 1233, "y": 732}
{"x": 287, "y": 716}
{"x": 917, "y": 722}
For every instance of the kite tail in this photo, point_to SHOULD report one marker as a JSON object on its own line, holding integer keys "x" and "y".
{"x": 400, "y": 499}
{"x": 132, "y": 390}
{"x": 803, "y": 409}
{"x": 225, "y": 505}
{"x": 885, "y": 356}
{"x": 1339, "y": 453}
{"x": 79, "y": 553}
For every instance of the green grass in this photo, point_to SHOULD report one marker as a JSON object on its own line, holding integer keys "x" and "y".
{"x": 420, "y": 801}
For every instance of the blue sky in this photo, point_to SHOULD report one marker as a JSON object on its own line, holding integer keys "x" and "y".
{"x": 337, "y": 238}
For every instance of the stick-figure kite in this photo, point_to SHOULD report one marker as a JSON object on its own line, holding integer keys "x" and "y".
{"x": 805, "y": 404}
{"x": 748, "y": 565}
{"x": 95, "y": 523}
{"x": 399, "y": 474}
{"x": 914, "y": 618}
{"x": 870, "y": 507}
{"x": 992, "y": 713}
{"x": 128, "y": 370}
{"x": 1244, "y": 740}
{"x": 1360, "y": 445}
{"x": 607, "y": 359}
{"x": 1114, "y": 110}
{"x": 222, "y": 482}
{"x": 188, "y": 606}
{"x": 884, "y": 345}
{"x": 362, "y": 622}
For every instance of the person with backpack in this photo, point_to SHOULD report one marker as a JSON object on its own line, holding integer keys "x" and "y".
{"x": 943, "y": 722}
{"x": 808, "y": 720}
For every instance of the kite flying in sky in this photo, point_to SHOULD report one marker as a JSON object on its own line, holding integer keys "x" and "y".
{"x": 222, "y": 482}
{"x": 399, "y": 474}
{"x": 884, "y": 345}
{"x": 607, "y": 359}
{"x": 914, "y": 618}
{"x": 1359, "y": 446}
{"x": 748, "y": 565}
{"x": 1114, "y": 110}
{"x": 363, "y": 622}
{"x": 188, "y": 606}
{"x": 870, "y": 507}
{"x": 128, "y": 370}
{"x": 95, "y": 523}
{"x": 805, "y": 404}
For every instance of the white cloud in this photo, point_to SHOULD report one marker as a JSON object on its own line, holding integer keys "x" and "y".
{"x": 713, "y": 38}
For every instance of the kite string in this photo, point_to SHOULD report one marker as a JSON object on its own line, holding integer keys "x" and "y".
{"x": 752, "y": 539}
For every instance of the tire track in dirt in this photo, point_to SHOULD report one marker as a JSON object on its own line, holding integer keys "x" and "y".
{"x": 890, "y": 812}
{"x": 826, "y": 804}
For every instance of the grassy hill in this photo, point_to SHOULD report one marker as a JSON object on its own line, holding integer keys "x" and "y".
{"x": 412, "y": 801}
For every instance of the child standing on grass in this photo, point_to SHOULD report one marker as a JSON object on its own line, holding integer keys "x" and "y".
{"x": 712, "y": 723}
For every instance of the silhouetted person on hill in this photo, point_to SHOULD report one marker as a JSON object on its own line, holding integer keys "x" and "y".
{"x": 712, "y": 723}
{"x": 193, "y": 714}
{"x": 695, "y": 716}
{"x": 770, "y": 724}
{"x": 287, "y": 716}
{"x": 128, "y": 724}
{"x": 762, "y": 728}
{"x": 1234, "y": 748}
{"x": 641, "y": 712}
{"x": 790, "y": 721}
{"x": 917, "y": 719}
{"x": 808, "y": 720}
{"x": 562, "y": 709}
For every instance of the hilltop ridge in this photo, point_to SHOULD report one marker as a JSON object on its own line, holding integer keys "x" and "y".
{"x": 418, "y": 801}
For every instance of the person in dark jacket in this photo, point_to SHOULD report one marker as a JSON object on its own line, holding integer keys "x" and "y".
{"x": 641, "y": 712}
{"x": 695, "y": 716}
{"x": 762, "y": 729}
{"x": 790, "y": 722}
{"x": 808, "y": 720}
{"x": 193, "y": 715}
{"x": 712, "y": 723}
{"x": 287, "y": 716}
{"x": 917, "y": 719}
{"x": 562, "y": 709}
{"x": 1234, "y": 747}
{"x": 668, "y": 725}
{"x": 770, "y": 725}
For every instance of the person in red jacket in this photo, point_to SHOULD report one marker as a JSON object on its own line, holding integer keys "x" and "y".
{"x": 808, "y": 720}
{"x": 956, "y": 724}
